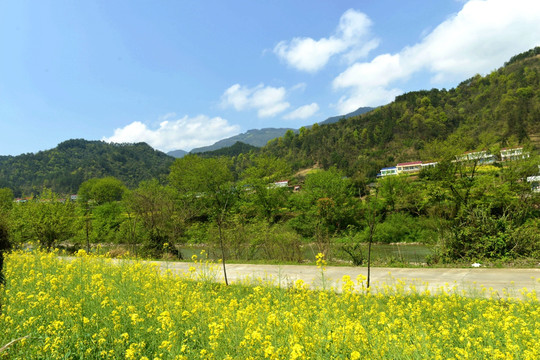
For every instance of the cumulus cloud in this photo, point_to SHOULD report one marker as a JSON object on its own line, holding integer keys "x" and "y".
{"x": 267, "y": 100}
{"x": 181, "y": 134}
{"x": 303, "y": 112}
{"x": 478, "y": 39}
{"x": 351, "y": 39}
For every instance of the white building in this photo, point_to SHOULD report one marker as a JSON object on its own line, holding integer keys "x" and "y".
{"x": 535, "y": 181}
{"x": 387, "y": 171}
{"x": 509, "y": 154}
{"x": 409, "y": 167}
{"x": 480, "y": 157}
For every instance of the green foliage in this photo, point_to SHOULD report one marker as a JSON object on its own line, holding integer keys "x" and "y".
{"x": 102, "y": 191}
{"x": 486, "y": 210}
{"x": 205, "y": 182}
{"x": 107, "y": 219}
{"x": 208, "y": 182}
{"x": 64, "y": 168}
{"x": 528, "y": 54}
{"x": 257, "y": 240}
{"x": 261, "y": 197}
{"x": 5, "y": 243}
{"x": 351, "y": 244}
{"x": 6, "y": 199}
{"x": 402, "y": 227}
{"x": 153, "y": 206}
{"x": 197, "y": 176}
{"x": 46, "y": 220}
{"x": 325, "y": 205}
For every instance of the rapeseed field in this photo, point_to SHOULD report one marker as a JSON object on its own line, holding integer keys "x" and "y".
{"x": 92, "y": 307}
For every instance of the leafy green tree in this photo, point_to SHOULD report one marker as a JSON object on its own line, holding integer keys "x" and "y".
{"x": 327, "y": 201}
{"x": 102, "y": 190}
{"x": 47, "y": 220}
{"x": 259, "y": 189}
{"x": 99, "y": 210}
{"x": 210, "y": 182}
{"x": 6, "y": 199}
{"x": 106, "y": 221}
{"x": 154, "y": 207}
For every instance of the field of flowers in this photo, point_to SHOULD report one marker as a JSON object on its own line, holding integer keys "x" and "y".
{"x": 93, "y": 308}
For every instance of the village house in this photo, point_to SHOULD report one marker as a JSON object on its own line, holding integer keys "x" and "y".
{"x": 409, "y": 167}
{"x": 480, "y": 157}
{"x": 279, "y": 184}
{"x": 510, "y": 154}
{"x": 429, "y": 164}
{"x": 387, "y": 171}
{"x": 535, "y": 181}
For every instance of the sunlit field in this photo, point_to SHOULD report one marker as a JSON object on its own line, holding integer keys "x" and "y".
{"x": 94, "y": 308}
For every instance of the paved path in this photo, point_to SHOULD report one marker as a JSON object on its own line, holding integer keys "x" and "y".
{"x": 500, "y": 282}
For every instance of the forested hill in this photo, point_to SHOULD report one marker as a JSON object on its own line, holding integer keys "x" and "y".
{"x": 499, "y": 110}
{"x": 65, "y": 167}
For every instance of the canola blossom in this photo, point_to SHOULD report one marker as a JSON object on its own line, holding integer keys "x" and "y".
{"x": 92, "y": 307}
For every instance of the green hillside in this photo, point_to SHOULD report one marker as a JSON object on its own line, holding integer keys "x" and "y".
{"x": 499, "y": 110}
{"x": 65, "y": 167}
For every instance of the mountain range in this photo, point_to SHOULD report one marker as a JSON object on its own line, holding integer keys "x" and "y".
{"x": 260, "y": 137}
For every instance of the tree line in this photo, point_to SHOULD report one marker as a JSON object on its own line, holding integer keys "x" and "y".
{"x": 467, "y": 212}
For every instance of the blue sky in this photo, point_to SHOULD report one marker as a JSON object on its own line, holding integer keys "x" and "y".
{"x": 184, "y": 74}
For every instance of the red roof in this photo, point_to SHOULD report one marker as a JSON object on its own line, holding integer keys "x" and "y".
{"x": 410, "y": 163}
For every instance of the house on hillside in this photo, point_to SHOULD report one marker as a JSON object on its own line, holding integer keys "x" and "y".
{"x": 387, "y": 171}
{"x": 280, "y": 184}
{"x": 510, "y": 154}
{"x": 409, "y": 167}
{"x": 535, "y": 181}
{"x": 429, "y": 164}
{"x": 480, "y": 157}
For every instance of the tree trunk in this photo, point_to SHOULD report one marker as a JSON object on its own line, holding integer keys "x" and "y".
{"x": 221, "y": 244}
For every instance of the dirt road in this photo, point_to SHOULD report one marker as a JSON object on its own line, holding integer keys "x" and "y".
{"x": 500, "y": 282}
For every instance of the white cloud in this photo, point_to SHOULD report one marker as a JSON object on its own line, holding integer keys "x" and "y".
{"x": 299, "y": 87}
{"x": 478, "y": 39}
{"x": 267, "y": 100}
{"x": 303, "y": 112}
{"x": 350, "y": 39}
{"x": 181, "y": 134}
